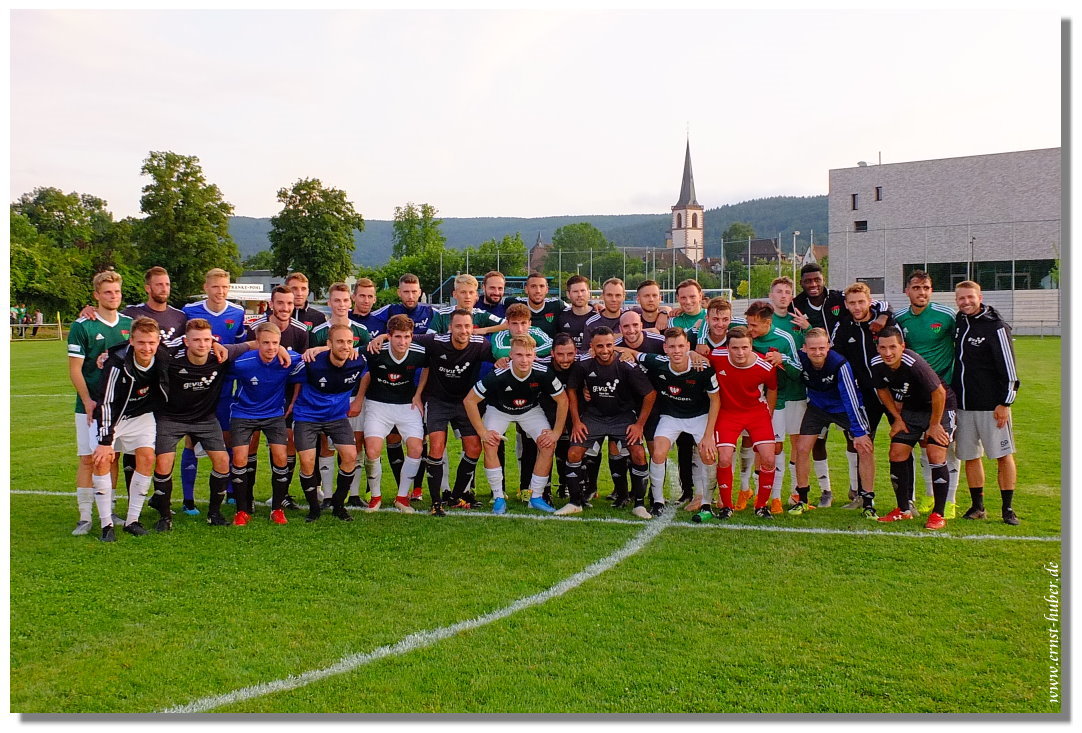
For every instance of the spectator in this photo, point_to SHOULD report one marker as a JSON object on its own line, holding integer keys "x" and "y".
{"x": 39, "y": 320}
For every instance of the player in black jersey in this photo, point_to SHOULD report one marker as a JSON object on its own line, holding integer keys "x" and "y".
{"x": 454, "y": 364}
{"x": 655, "y": 316}
{"x": 513, "y": 395}
{"x": 572, "y": 320}
{"x": 919, "y": 406}
{"x": 195, "y": 386}
{"x": 135, "y": 385}
{"x": 391, "y": 399}
{"x": 612, "y": 299}
{"x": 618, "y": 398}
{"x": 564, "y": 355}
{"x": 297, "y": 282}
{"x": 634, "y": 339}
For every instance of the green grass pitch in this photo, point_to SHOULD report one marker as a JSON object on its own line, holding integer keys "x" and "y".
{"x": 866, "y": 618}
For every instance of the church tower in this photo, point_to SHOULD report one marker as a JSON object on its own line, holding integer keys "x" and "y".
{"x": 687, "y": 215}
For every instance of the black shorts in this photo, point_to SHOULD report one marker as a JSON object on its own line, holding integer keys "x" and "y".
{"x": 439, "y": 413}
{"x": 241, "y": 430}
{"x": 306, "y": 434}
{"x": 816, "y": 421}
{"x": 206, "y": 431}
{"x": 598, "y": 428}
{"x": 917, "y": 424}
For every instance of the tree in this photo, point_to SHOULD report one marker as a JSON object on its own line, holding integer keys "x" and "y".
{"x": 262, "y": 260}
{"x": 42, "y": 273}
{"x": 68, "y": 219}
{"x": 313, "y": 233}
{"x": 508, "y": 255}
{"x": 186, "y": 229}
{"x": 416, "y": 230}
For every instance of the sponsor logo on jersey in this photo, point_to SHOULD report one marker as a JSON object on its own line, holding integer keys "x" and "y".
{"x": 519, "y": 402}
{"x": 99, "y": 337}
{"x": 535, "y": 384}
{"x": 976, "y": 340}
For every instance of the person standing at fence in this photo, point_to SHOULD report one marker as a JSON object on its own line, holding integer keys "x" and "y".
{"x": 986, "y": 382}
{"x": 39, "y": 321}
{"x": 928, "y": 329}
{"x": 87, "y": 340}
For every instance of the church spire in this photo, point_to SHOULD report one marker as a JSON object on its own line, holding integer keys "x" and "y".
{"x": 687, "y": 185}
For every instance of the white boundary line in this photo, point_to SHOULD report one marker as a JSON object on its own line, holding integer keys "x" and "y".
{"x": 40, "y": 395}
{"x": 422, "y": 639}
{"x": 697, "y": 527}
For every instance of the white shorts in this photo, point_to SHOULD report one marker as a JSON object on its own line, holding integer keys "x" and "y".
{"x": 357, "y": 423}
{"x": 787, "y": 419}
{"x": 380, "y": 418}
{"x": 533, "y": 422}
{"x": 977, "y": 429}
{"x": 131, "y": 433}
{"x": 86, "y": 436}
{"x": 670, "y": 427}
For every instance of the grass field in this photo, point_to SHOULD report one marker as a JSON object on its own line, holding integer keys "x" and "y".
{"x": 859, "y": 617}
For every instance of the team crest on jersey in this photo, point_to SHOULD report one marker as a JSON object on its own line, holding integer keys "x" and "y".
{"x": 674, "y": 389}
{"x": 229, "y": 322}
{"x": 936, "y": 327}
{"x": 143, "y": 391}
{"x": 549, "y": 317}
{"x": 394, "y": 376}
{"x": 836, "y": 310}
{"x": 307, "y": 325}
{"x": 123, "y": 332}
{"x": 519, "y": 402}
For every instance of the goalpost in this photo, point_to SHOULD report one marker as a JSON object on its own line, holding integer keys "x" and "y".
{"x": 45, "y": 331}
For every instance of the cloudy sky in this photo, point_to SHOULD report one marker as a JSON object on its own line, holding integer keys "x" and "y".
{"x": 517, "y": 113}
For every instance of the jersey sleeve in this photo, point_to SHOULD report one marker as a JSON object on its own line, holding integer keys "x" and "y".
{"x": 484, "y": 319}
{"x": 553, "y": 384}
{"x": 638, "y": 379}
{"x": 437, "y": 323}
{"x": 1005, "y": 366}
{"x": 771, "y": 381}
{"x": 484, "y": 384}
{"x": 240, "y": 331}
{"x": 298, "y": 374}
{"x": 111, "y": 406}
{"x": 77, "y": 341}
{"x": 713, "y": 384}
{"x": 425, "y": 339}
{"x": 296, "y": 363}
{"x": 927, "y": 376}
{"x": 544, "y": 343}
{"x": 854, "y": 404}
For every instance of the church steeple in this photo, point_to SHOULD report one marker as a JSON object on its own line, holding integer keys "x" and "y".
{"x": 687, "y": 184}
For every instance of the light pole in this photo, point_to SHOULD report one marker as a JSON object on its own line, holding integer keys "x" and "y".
{"x": 795, "y": 233}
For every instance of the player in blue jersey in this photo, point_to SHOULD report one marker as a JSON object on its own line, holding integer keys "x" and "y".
{"x": 227, "y": 324}
{"x": 259, "y": 407}
{"x": 833, "y": 397}
{"x": 322, "y": 406}
{"x": 493, "y": 285}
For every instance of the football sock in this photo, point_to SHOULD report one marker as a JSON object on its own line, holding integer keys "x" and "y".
{"x": 309, "y": 485}
{"x": 435, "y": 478}
{"x": 409, "y": 470}
{"x": 279, "y": 485}
{"x": 1007, "y": 497}
{"x": 463, "y": 476}
{"x": 747, "y": 462}
{"x": 128, "y": 463}
{"x": 940, "y": 481}
{"x": 238, "y": 479}
{"x": 618, "y": 471}
{"x": 291, "y": 466}
{"x": 84, "y": 498}
{"x": 766, "y": 486}
{"x": 792, "y": 475}
{"x": 103, "y": 497}
{"x": 575, "y": 483}
{"x": 140, "y": 487}
{"x": 342, "y": 484}
{"x": 495, "y": 481}
{"x": 926, "y": 472}
{"x": 419, "y": 477}
{"x": 538, "y": 482}
{"x": 374, "y": 470}
{"x": 822, "y": 474}
{"x": 802, "y": 492}
{"x": 189, "y": 466}
{"x": 976, "y": 494}
{"x": 163, "y": 493}
{"x": 561, "y": 461}
{"x": 640, "y": 477}
{"x": 779, "y": 474}
{"x": 526, "y": 462}
{"x": 355, "y": 487}
{"x": 326, "y": 474}
{"x": 445, "y": 482}
{"x": 219, "y": 484}
{"x": 901, "y": 479}
{"x": 854, "y": 474}
{"x": 593, "y": 468}
{"x": 685, "y": 447}
{"x": 725, "y": 485}
{"x": 657, "y": 482}
{"x": 249, "y": 489}
{"x": 395, "y": 457}
{"x": 953, "y": 466}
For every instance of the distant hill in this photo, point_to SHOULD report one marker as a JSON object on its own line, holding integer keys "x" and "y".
{"x": 768, "y": 216}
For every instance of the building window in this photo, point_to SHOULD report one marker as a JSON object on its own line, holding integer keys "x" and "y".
{"x": 990, "y": 275}
{"x": 878, "y": 193}
{"x": 694, "y": 221}
{"x": 875, "y": 284}
{"x": 853, "y": 196}
{"x": 679, "y": 222}
{"x": 860, "y": 226}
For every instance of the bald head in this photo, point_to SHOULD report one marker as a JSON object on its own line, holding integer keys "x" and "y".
{"x": 631, "y": 328}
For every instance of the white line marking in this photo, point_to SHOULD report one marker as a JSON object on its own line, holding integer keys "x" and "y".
{"x": 422, "y": 639}
{"x": 683, "y": 525}
{"x": 65, "y": 396}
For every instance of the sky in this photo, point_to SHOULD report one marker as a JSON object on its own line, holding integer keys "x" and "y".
{"x": 519, "y": 113}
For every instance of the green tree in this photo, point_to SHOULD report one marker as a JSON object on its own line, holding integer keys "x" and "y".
{"x": 186, "y": 229}
{"x": 262, "y": 260}
{"x": 42, "y": 273}
{"x": 508, "y": 255}
{"x": 313, "y": 233}
{"x": 68, "y": 219}
{"x": 416, "y": 230}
